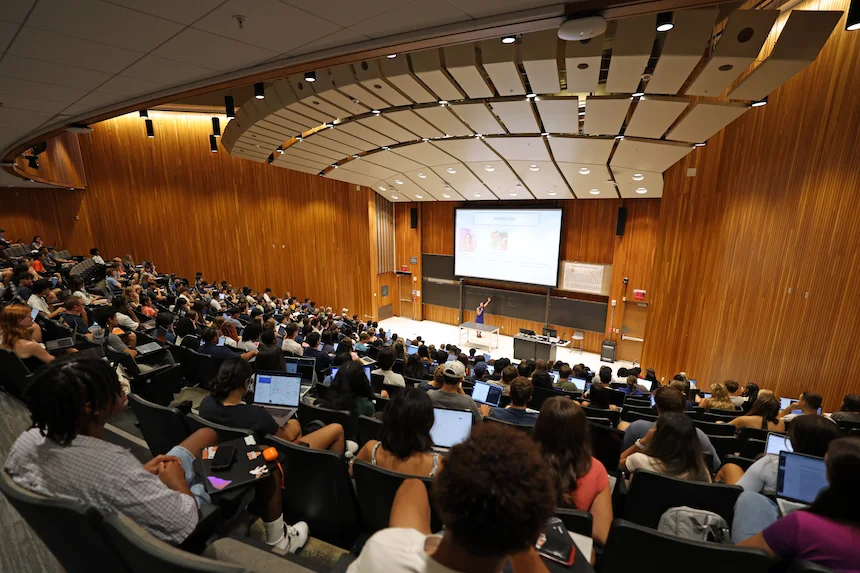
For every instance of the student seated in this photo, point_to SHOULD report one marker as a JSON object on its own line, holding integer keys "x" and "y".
{"x": 565, "y": 382}
{"x": 493, "y": 499}
{"x": 385, "y": 361}
{"x": 763, "y": 414}
{"x": 809, "y": 403}
{"x": 270, "y": 356}
{"x": 414, "y": 369}
{"x": 516, "y": 412}
{"x": 451, "y": 394}
{"x": 323, "y": 360}
{"x": 74, "y": 315}
{"x": 827, "y": 532}
{"x": 720, "y": 399}
{"x": 541, "y": 379}
{"x": 669, "y": 448}
{"x": 598, "y": 397}
{"x": 849, "y": 411}
{"x": 210, "y": 347}
{"x": 106, "y": 318}
{"x": 404, "y": 445}
{"x": 631, "y": 386}
{"x": 437, "y": 381}
{"x": 509, "y": 373}
{"x": 21, "y": 335}
{"x": 350, "y": 390}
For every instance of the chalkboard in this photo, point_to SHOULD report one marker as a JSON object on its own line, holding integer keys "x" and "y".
{"x": 441, "y": 294}
{"x": 521, "y": 305}
{"x": 438, "y": 267}
{"x": 579, "y": 314}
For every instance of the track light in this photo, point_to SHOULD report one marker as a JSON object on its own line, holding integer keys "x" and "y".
{"x": 665, "y": 22}
{"x": 853, "y": 21}
{"x": 271, "y": 158}
{"x": 230, "y": 110}
{"x": 280, "y": 150}
{"x": 760, "y": 103}
{"x": 259, "y": 90}
{"x": 213, "y": 144}
{"x": 150, "y": 129}
{"x": 310, "y": 76}
{"x": 509, "y": 39}
{"x": 32, "y": 162}
{"x": 216, "y": 127}
{"x": 144, "y": 113}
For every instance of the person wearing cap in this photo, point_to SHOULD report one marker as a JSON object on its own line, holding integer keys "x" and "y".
{"x": 451, "y": 395}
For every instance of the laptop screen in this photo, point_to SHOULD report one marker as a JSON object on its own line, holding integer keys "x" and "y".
{"x": 692, "y": 383}
{"x": 786, "y": 402}
{"x": 555, "y": 376}
{"x": 487, "y": 393}
{"x": 450, "y": 427}
{"x": 334, "y": 370}
{"x": 800, "y": 477}
{"x": 412, "y": 350}
{"x": 777, "y": 443}
{"x": 277, "y": 389}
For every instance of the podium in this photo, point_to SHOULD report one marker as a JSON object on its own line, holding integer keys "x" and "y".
{"x": 528, "y": 347}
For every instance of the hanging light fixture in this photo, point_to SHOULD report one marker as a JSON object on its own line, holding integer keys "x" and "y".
{"x": 259, "y": 90}
{"x": 216, "y": 127}
{"x": 150, "y": 129}
{"x": 230, "y": 110}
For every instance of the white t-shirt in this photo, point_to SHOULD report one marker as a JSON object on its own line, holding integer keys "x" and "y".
{"x": 398, "y": 550}
{"x": 98, "y": 260}
{"x": 35, "y": 301}
{"x": 640, "y": 461}
{"x": 126, "y": 321}
{"x": 84, "y": 296}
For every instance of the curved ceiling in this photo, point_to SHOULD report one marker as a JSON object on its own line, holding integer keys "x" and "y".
{"x": 540, "y": 118}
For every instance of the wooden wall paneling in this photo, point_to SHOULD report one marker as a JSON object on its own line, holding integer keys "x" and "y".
{"x": 50, "y": 213}
{"x": 771, "y": 209}
{"x": 60, "y": 164}
{"x": 437, "y": 220}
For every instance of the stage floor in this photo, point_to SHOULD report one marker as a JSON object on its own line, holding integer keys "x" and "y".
{"x": 438, "y": 333}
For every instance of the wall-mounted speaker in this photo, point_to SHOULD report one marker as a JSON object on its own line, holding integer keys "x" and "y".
{"x": 622, "y": 219}
{"x": 413, "y": 217}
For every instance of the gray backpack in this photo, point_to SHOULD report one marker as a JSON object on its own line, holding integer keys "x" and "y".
{"x": 697, "y": 524}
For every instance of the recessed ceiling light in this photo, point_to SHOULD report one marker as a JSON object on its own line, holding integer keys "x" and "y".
{"x": 759, "y": 103}
{"x": 545, "y": 134}
{"x": 619, "y": 137}
{"x": 509, "y": 39}
{"x": 664, "y": 22}
{"x": 259, "y": 90}
{"x": 534, "y": 168}
{"x": 582, "y": 113}
{"x": 424, "y": 139}
{"x": 584, "y": 170}
{"x": 376, "y": 111}
{"x": 490, "y": 168}
{"x": 443, "y": 102}
{"x": 530, "y": 96}
{"x": 476, "y": 194}
{"x": 447, "y": 187}
{"x": 334, "y": 165}
{"x": 638, "y": 94}
{"x": 641, "y": 190}
{"x": 395, "y": 197}
{"x": 512, "y": 194}
{"x": 595, "y": 191}
{"x": 383, "y": 188}
{"x": 451, "y": 170}
{"x": 702, "y": 144}
{"x": 392, "y": 56}
{"x": 419, "y": 196}
{"x": 422, "y": 176}
{"x": 355, "y": 156}
{"x": 310, "y": 77}
{"x": 582, "y": 103}
{"x": 446, "y": 196}
{"x": 398, "y": 181}
{"x": 638, "y": 177}
{"x": 550, "y": 193}
{"x": 385, "y": 148}
{"x": 478, "y": 136}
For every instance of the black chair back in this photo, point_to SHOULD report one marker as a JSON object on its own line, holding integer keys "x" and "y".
{"x": 540, "y": 395}
{"x": 375, "y": 489}
{"x": 631, "y": 416}
{"x": 745, "y": 434}
{"x": 606, "y": 445}
{"x": 521, "y": 427}
{"x": 714, "y": 429}
{"x": 162, "y": 427}
{"x": 651, "y": 494}
{"x": 225, "y": 433}
{"x": 576, "y": 520}
{"x": 397, "y": 368}
{"x": 69, "y": 529}
{"x": 616, "y": 398}
{"x": 647, "y": 410}
{"x": 393, "y": 390}
{"x": 629, "y": 545}
{"x": 368, "y": 429}
{"x": 638, "y": 402}
{"x": 319, "y": 492}
{"x": 308, "y": 413}
{"x": 802, "y": 566}
{"x": 376, "y": 382}
{"x": 752, "y": 448}
{"x": 412, "y": 382}
{"x": 712, "y": 417}
{"x": 373, "y": 352}
{"x": 725, "y": 445}
{"x": 380, "y": 403}
{"x": 848, "y": 427}
{"x": 14, "y": 375}
{"x": 613, "y": 416}
{"x": 721, "y": 412}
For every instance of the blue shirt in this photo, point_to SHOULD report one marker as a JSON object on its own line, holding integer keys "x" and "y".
{"x": 514, "y": 416}
{"x": 221, "y": 352}
{"x": 113, "y": 283}
{"x": 630, "y": 391}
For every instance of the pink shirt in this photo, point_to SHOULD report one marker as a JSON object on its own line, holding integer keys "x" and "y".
{"x": 804, "y": 535}
{"x": 589, "y": 485}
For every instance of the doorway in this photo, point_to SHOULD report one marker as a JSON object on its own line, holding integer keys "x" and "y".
{"x": 404, "y": 284}
{"x": 633, "y": 331}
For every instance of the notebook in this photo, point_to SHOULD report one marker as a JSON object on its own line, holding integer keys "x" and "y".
{"x": 799, "y": 479}
{"x": 278, "y": 394}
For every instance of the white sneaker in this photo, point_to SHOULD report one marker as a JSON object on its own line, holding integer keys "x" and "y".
{"x": 295, "y": 537}
{"x": 351, "y": 447}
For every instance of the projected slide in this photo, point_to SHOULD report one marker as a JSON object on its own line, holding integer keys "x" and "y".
{"x": 519, "y": 245}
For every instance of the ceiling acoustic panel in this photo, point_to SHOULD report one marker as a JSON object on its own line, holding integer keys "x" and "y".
{"x": 306, "y": 158}
{"x": 403, "y": 187}
{"x": 647, "y": 154}
{"x": 582, "y": 149}
{"x": 654, "y": 115}
{"x": 520, "y": 148}
{"x": 460, "y": 178}
{"x": 542, "y": 178}
{"x": 461, "y": 63}
{"x": 360, "y": 130}
{"x": 500, "y": 62}
{"x": 588, "y": 181}
{"x": 331, "y": 155}
{"x": 430, "y": 181}
{"x": 582, "y": 64}
{"x": 424, "y": 153}
{"x": 559, "y": 115}
{"x": 392, "y": 161}
{"x": 706, "y": 118}
{"x": 740, "y": 43}
{"x": 605, "y": 114}
{"x": 444, "y": 120}
{"x": 467, "y": 150}
{"x": 367, "y": 72}
{"x": 369, "y": 169}
{"x": 324, "y": 88}
{"x": 638, "y": 184}
{"x": 478, "y": 117}
{"x": 388, "y": 128}
{"x": 634, "y": 40}
{"x": 344, "y": 174}
{"x": 396, "y": 71}
{"x": 295, "y": 166}
{"x": 500, "y": 179}
{"x": 414, "y": 123}
{"x": 344, "y": 79}
{"x": 539, "y": 53}
{"x": 428, "y": 67}
{"x": 518, "y": 116}
{"x": 683, "y": 49}
{"x": 345, "y": 140}
{"x": 309, "y": 98}
{"x": 799, "y": 43}
{"x": 327, "y": 139}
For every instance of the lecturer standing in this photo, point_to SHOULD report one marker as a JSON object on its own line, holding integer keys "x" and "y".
{"x": 479, "y": 313}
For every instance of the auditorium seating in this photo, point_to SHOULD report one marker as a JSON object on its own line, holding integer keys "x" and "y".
{"x": 14, "y": 375}
{"x": 225, "y": 433}
{"x": 375, "y": 488}
{"x": 368, "y": 429}
{"x": 520, "y": 427}
{"x": 162, "y": 427}
{"x": 614, "y": 416}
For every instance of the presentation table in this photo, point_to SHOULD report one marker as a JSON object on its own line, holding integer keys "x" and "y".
{"x": 488, "y": 329}
{"x": 527, "y": 347}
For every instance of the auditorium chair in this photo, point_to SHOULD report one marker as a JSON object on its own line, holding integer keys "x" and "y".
{"x": 616, "y": 398}
{"x": 743, "y": 462}
{"x": 392, "y": 389}
{"x": 380, "y": 402}
{"x": 376, "y": 382}
{"x": 375, "y": 488}
{"x": 319, "y": 491}
{"x": 157, "y": 385}
{"x": 398, "y": 366}
{"x": 308, "y": 413}
{"x": 631, "y": 416}
{"x": 651, "y": 494}
{"x": 712, "y": 417}
{"x": 714, "y": 429}
{"x": 15, "y": 377}
{"x": 540, "y": 395}
{"x": 751, "y": 448}
{"x": 631, "y": 547}
{"x": 162, "y": 426}
{"x": 521, "y": 427}
{"x": 725, "y": 445}
{"x": 606, "y": 445}
{"x": 225, "y": 433}
{"x": 638, "y": 402}
{"x": 848, "y": 427}
{"x": 803, "y": 566}
{"x": 745, "y": 434}
{"x": 647, "y": 410}
{"x": 733, "y": 413}
{"x": 368, "y": 429}
{"x": 612, "y": 415}
{"x": 576, "y": 520}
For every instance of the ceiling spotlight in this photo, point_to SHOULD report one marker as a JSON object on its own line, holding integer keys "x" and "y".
{"x": 395, "y": 197}
{"x": 271, "y": 158}
{"x": 451, "y": 170}
{"x": 391, "y": 56}
{"x": 550, "y": 193}
{"x": 213, "y": 144}
{"x": 581, "y": 114}
{"x": 144, "y": 113}
{"x": 702, "y": 144}
{"x": 478, "y": 136}
{"x": 419, "y": 196}
{"x": 619, "y": 137}
{"x": 530, "y": 96}
{"x": 446, "y": 196}
{"x": 311, "y": 76}
{"x": 584, "y": 170}
{"x": 641, "y": 190}
{"x": 229, "y": 109}
{"x": 578, "y": 29}
{"x": 638, "y": 94}
{"x": 512, "y": 194}
{"x": 638, "y": 177}
{"x": 760, "y": 103}
{"x": 421, "y": 175}
{"x": 424, "y": 139}
{"x": 355, "y": 156}
{"x": 280, "y": 150}
{"x": 398, "y": 181}
{"x": 299, "y": 137}
{"x": 376, "y": 111}
{"x": 509, "y": 39}
{"x": 545, "y": 133}
{"x": 383, "y": 188}
{"x": 443, "y": 102}
{"x": 259, "y": 90}
{"x": 476, "y": 194}
{"x": 534, "y": 168}
{"x": 334, "y": 165}
{"x": 328, "y": 125}
{"x": 853, "y": 21}
{"x": 595, "y": 191}
{"x": 216, "y": 127}
{"x": 664, "y": 22}
{"x": 385, "y": 148}
{"x": 150, "y": 129}
{"x": 490, "y": 168}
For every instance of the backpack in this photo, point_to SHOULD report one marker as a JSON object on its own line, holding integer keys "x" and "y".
{"x": 697, "y": 524}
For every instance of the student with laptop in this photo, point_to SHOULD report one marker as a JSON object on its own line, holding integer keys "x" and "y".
{"x": 21, "y": 335}
{"x": 849, "y": 411}
{"x": 74, "y": 315}
{"x": 451, "y": 394}
{"x": 385, "y": 360}
{"x": 212, "y": 348}
{"x": 516, "y": 412}
{"x": 809, "y": 403}
{"x": 827, "y": 532}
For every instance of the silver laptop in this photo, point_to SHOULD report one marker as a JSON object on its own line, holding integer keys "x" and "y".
{"x": 777, "y": 443}
{"x": 799, "y": 480}
{"x": 148, "y": 348}
{"x": 278, "y": 393}
{"x": 485, "y": 393}
{"x": 450, "y": 427}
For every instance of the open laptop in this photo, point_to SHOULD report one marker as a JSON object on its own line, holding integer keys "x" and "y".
{"x": 692, "y": 383}
{"x": 450, "y": 427}
{"x": 485, "y": 393}
{"x": 60, "y": 343}
{"x": 555, "y": 377}
{"x": 367, "y": 360}
{"x": 334, "y": 370}
{"x": 777, "y": 443}
{"x": 412, "y": 350}
{"x": 148, "y": 348}
{"x": 799, "y": 480}
{"x": 278, "y": 393}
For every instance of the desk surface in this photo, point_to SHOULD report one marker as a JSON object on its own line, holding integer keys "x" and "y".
{"x": 479, "y": 326}
{"x": 238, "y": 473}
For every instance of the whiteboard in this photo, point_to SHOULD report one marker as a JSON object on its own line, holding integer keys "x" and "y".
{"x": 590, "y": 278}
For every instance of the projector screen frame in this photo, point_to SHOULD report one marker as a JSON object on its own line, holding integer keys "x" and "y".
{"x": 559, "y": 258}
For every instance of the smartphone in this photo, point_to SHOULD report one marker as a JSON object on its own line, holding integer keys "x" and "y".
{"x": 223, "y": 458}
{"x": 34, "y": 313}
{"x": 221, "y": 340}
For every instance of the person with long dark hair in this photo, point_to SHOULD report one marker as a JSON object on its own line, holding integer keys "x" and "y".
{"x": 764, "y": 414}
{"x": 350, "y": 390}
{"x": 671, "y": 447}
{"x": 561, "y": 433}
{"x": 750, "y": 392}
{"x": 404, "y": 445}
{"x": 598, "y": 397}
{"x": 414, "y": 369}
{"x": 828, "y": 532}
